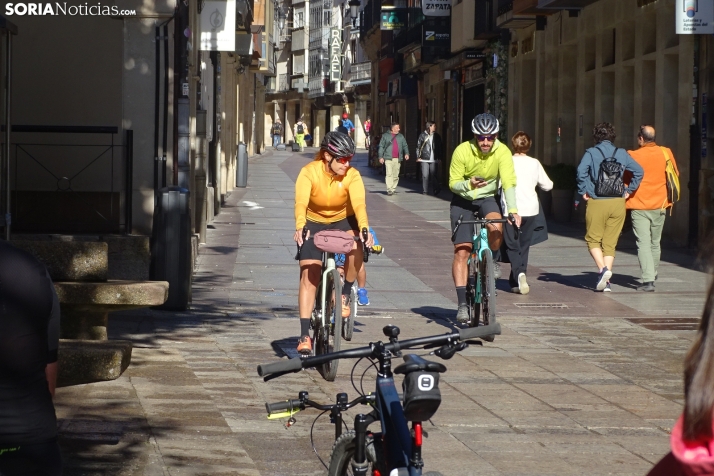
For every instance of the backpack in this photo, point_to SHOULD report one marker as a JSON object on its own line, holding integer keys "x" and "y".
{"x": 609, "y": 179}
{"x": 300, "y": 129}
{"x": 672, "y": 181}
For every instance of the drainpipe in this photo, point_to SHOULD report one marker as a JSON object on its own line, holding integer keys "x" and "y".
{"x": 8, "y": 127}
{"x": 695, "y": 151}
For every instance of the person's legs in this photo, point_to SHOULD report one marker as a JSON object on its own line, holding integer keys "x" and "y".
{"x": 616, "y": 213}
{"x": 388, "y": 175}
{"x": 658, "y": 217}
{"x": 396, "y": 167}
{"x": 354, "y": 262}
{"x": 434, "y": 178}
{"x": 392, "y": 178}
{"x": 642, "y": 228}
{"x": 362, "y": 296}
{"x": 594, "y": 229}
{"x": 425, "y": 177}
{"x": 513, "y": 250}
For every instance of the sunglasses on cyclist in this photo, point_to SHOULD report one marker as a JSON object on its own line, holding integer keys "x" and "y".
{"x": 343, "y": 160}
{"x": 489, "y": 137}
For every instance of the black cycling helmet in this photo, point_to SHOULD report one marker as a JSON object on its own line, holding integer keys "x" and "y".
{"x": 484, "y": 124}
{"x": 338, "y": 144}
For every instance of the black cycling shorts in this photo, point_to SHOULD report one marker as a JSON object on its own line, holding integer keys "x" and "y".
{"x": 39, "y": 459}
{"x": 462, "y": 207}
{"x": 310, "y": 251}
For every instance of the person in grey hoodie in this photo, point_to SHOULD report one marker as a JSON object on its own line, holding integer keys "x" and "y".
{"x": 605, "y": 212}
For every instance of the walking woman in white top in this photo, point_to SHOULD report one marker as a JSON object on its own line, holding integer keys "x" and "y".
{"x": 529, "y": 174}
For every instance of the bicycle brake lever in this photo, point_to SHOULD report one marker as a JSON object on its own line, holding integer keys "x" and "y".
{"x": 474, "y": 342}
{"x": 447, "y": 351}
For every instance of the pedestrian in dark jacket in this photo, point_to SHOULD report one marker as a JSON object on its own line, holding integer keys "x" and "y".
{"x": 605, "y": 212}
{"x": 429, "y": 154}
{"x": 692, "y": 438}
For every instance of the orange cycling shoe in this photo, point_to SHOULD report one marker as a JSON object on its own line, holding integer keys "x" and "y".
{"x": 345, "y": 307}
{"x": 305, "y": 345}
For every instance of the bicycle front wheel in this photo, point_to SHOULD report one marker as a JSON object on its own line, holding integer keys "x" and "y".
{"x": 348, "y": 326}
{"x": 488, "y": 292}
{"x": 343, "y": 453}
{"x": 328, "y": 337}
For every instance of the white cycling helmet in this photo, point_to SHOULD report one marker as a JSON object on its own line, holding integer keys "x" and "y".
{"x": 484, "y": 124}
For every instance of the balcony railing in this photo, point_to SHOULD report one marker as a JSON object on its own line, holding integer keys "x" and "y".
{"x": 319, "y": 38}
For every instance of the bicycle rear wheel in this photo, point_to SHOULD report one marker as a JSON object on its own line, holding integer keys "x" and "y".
{"x": 474, "y": 307}
{"x": 348, "y": 326}
{"x": 328, "y": 337}
{"x": 488, "y": 293}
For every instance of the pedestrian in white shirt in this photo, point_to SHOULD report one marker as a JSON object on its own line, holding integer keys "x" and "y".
{"x": 529, "y": 174}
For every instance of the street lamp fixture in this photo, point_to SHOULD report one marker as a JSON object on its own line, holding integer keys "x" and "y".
{"x": 282, "y": 16}
{"x": 354, "y": 10}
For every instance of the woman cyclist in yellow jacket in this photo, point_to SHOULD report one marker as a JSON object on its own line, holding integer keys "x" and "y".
{"x": 329, "y": 195}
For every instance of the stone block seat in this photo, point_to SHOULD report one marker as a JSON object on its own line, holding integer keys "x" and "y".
{"x": 80, "y": 271}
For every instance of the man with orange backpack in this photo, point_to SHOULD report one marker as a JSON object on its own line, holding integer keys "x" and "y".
{"x": 658, "y": 191}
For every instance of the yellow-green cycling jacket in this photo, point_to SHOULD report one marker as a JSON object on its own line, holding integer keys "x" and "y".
{"x": 468, "y": 161}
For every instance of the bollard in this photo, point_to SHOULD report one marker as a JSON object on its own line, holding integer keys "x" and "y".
{"x": 242, "y": 166}
{"x": 171, "y": 246}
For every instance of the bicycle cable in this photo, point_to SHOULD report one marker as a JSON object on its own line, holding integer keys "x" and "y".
{"x": 361, "y": 380}
{"x": 312, "y": 440}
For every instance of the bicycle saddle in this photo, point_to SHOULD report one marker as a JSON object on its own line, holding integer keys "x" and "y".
{"x": 413, "y": 363}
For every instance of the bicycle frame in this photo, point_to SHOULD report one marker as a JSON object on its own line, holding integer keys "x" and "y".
{"x": 398, "y": 442}
{"x": 479, "y": 246}
{"x": 328, "y": 265}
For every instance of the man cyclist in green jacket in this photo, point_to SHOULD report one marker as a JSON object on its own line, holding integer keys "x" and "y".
{"x": 477, "y": 166}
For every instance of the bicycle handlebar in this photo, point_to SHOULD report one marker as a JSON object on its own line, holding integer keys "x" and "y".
{"x": 275, "y": 369}
{"x": 484, "y": 221}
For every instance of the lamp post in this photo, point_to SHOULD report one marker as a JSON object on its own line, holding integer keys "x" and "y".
{"x": 354, "y": 10}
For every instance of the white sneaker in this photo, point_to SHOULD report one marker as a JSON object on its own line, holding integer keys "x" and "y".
{"x": 523, "y": 284}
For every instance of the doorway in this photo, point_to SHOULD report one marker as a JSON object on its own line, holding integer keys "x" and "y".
{"x": 474, "y": 99}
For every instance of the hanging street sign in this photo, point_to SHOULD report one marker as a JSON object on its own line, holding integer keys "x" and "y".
{"x": 695, "y": 17}
{"x": 436, "y": 8}
{"x": 218, "y": 26}
{"x": 393, "y": 18}
{"x": 335, "y": 54}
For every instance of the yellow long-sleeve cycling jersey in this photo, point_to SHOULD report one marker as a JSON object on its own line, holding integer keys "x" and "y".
{"x": 325, "y": 198}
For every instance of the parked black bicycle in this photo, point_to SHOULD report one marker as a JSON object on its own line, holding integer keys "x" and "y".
{"x": 395, "y": 447}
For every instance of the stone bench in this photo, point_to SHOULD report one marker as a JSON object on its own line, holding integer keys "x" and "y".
{"x": 80, "y": 271}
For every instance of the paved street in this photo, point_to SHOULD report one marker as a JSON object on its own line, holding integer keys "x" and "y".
{"x": 579, "y": 382}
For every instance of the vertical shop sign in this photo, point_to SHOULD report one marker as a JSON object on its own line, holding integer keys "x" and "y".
{"x": 335, "y": 54}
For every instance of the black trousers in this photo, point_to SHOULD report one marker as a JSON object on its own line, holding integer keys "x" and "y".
{"x": 517, "y": 249}
{"x": 40, "y": 459}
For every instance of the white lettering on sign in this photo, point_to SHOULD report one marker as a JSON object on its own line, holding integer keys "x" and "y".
{"x": 436, "y": 8}
{"x": 335, "y": 54}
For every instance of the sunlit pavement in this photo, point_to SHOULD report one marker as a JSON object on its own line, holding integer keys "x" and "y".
{"x": 579, "y": 383}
